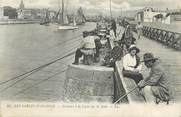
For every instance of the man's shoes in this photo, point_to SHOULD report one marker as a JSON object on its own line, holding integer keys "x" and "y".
{"x": 75, "y": 63}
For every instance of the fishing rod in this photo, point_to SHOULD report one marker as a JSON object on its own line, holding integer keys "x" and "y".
{"x": 126, "y": 94}
{"x": 133, "y": 89}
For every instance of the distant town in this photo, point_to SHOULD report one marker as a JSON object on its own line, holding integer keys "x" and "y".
{"x": 8, "y": 12}
{"x": 147, "y": 14}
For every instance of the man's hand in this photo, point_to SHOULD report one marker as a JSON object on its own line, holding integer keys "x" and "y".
{"x": 141, "y": 84}
{"x": 111, "y": 59}
{"x": 136, "y": 70}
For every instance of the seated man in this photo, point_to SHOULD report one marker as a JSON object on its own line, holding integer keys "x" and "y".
{"x": 98, "y": 47}
{"x": 87, "y": 48}
{"x": 156, "y": 84}
{"x": 131, "y": 65}
{"x": 127, "y": 37}
{"x": 113, "y": 55}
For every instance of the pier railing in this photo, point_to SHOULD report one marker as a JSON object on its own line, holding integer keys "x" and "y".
{"x": 166, "y": 34}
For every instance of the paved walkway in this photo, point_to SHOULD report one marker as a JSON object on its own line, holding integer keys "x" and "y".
{"x": 169, "y": 58}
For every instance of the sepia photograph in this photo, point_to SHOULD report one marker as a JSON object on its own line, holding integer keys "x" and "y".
{"x": 109, "y": 55}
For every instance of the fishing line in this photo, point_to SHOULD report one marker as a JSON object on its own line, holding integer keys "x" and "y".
{"x": 39, "y": 83}
{"x": 40, "y": 67}
{"x": 34, "y": 71}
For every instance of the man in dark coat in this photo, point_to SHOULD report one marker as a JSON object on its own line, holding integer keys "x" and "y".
{"x": 127, "y": 37}
{"x": 156, "y": 85}
{"x": 113, "y": 55}
{"x": 113, "y": 26}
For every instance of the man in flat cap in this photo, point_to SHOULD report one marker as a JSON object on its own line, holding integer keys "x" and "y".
{"x": 156, "y": 85}
{"x": 87, "y": 47}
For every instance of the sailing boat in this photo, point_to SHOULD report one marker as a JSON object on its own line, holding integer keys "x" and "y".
{"x": 46, "y": 19}
{"x": 64, "y": 24}
{"x": 80, "y": 19}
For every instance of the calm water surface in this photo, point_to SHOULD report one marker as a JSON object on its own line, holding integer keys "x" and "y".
{"x": 24, "y": 47}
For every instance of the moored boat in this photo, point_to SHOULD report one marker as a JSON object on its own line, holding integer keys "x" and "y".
{"x": 46, "y": 20}
{"x": 64, "y": 24}
{"x": 64, "y": 27}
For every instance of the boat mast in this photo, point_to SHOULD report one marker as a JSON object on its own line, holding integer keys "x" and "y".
{"x": 110, "y": 8}
{"x": 58, "y": 4}
{"x": 62, "y": 11}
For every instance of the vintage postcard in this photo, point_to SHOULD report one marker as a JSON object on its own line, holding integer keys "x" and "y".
{"x": 90, "y": 58}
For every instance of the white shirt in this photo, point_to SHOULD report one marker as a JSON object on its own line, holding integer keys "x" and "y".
{"x": 129, "y": 62}
{"x": 139, "y": 27}
{"x": 112, "y": 36}
{"x": 88, "y": 42}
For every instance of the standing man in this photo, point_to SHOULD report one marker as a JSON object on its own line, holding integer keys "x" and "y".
{"x": 155, "y": 86}
{"x": 127, "y": 37}
{"x": 139, "y": 28}
{"x": 113, "y": 26}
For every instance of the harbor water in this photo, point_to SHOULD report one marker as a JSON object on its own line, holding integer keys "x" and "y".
{"x": 25, "y": 47}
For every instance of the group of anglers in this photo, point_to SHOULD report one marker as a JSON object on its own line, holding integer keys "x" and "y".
{"x": 154, "y": 88}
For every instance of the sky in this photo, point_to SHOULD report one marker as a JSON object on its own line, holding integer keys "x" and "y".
{"x": 98, "y": 5}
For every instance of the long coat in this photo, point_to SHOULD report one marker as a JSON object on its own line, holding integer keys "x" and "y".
{"x": 158, "y": 79}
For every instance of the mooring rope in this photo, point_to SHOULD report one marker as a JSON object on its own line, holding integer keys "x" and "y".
{"x": 32, "y": 72}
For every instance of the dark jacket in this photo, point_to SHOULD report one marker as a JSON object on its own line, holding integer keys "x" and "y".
{"x": 158, "y": 79}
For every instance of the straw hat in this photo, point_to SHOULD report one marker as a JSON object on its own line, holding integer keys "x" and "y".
{"x": 133, "y": 47}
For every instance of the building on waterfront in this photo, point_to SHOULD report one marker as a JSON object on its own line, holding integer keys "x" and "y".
{"x": 1, "y": 12}
{"x": 2, "y": 17}
{"x": 148, "y": 14}
{"x": 27, "y": 13}
{"x": 10, "y": 12}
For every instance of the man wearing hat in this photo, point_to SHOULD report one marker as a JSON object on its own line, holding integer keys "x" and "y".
{"x": 131, "y": 64}
{"x": 127, "y": 37}
{"x": 87, "y": 47}
{"x": 113, "y": 55}
{"x": 156, "y": 84}
{"x": 139, "y": 28}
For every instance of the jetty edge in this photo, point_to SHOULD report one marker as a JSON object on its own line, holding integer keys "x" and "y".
{"x": 96, "y": 83}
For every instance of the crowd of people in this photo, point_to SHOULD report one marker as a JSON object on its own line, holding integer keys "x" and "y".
{"x": 155, "y": 87}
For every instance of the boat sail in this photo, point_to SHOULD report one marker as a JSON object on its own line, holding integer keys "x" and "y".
{"x": 64, "y": 22}
{"x": 80, "y": 19}
{"x": 46, "y": 19}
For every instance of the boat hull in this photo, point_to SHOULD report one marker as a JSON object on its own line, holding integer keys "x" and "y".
{"x": 67, "y": 27}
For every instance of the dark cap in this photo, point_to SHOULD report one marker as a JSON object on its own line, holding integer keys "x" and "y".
{"x": 148, "y": 57}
